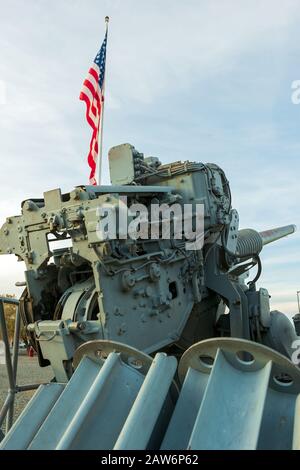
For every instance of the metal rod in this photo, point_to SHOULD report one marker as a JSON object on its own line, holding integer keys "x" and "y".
{"x": 25, "y": 388}
{"x": 6, "y": 406}
{"x": 102, "y": 117}
{"x": 270, "y": 236}
{"x": 7, "y": 350}
{"x": 16, "y": 343}
{"x": 298, "y": 299}
{"x": 10, "y": 414}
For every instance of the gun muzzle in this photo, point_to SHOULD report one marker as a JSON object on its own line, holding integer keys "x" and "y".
{"x": 270, "y": 236}
{"x": 250, "y": 242}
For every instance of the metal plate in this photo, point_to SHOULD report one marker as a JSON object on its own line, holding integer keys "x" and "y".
{"x": 285, "y": 376}
{"x": 99, "y": 350}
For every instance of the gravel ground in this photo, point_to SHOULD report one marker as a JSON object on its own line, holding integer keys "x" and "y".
{"x": 29, "y": 372}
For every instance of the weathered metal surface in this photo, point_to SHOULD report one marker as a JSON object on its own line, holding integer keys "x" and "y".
{"x": 98, "y": 350}
{"x": 28, "y": 424}
{"x": 104, "y": 404}
{"x": 244, "y": 400}
{"x": 235, "y": 394}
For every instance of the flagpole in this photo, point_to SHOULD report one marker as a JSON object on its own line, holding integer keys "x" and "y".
{"x": 101, "y": 121}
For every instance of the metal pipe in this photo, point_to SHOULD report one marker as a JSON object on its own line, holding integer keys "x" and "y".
{"x": 16, "y": 343}
{"x": 10, "y": 414}
{"x": 269, "y": 236}
{"x": 128, "y": 189}
{"x": 25, "y": 388}
{"x": 7, "y": 350}
{"x": 6, "y": 406}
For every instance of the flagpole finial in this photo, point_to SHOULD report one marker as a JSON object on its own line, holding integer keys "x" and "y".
{"x": 106, "y": 19}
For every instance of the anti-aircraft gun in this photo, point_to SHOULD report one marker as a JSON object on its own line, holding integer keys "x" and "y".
{"x": 122, "y": 281}
{"x": 150, "y": 293}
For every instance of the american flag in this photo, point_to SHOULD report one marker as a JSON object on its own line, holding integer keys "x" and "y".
{"x": 92, "y": 94}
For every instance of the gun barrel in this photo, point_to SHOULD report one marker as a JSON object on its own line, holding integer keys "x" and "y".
{"x": 250, "y": 242}
{"x": 269, "y": 236}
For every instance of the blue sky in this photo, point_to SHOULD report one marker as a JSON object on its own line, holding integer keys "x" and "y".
{"x": 201, "y": 80}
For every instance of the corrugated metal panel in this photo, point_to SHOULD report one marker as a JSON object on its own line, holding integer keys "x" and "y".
{"x": 94, "y": 407}
{"x": 32, "y": 417}
{"x": 229, "y": 415}
{"x": 238, "y": 402}
{"x": 151, "y": 407}
{"x": 245, "y": 400}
